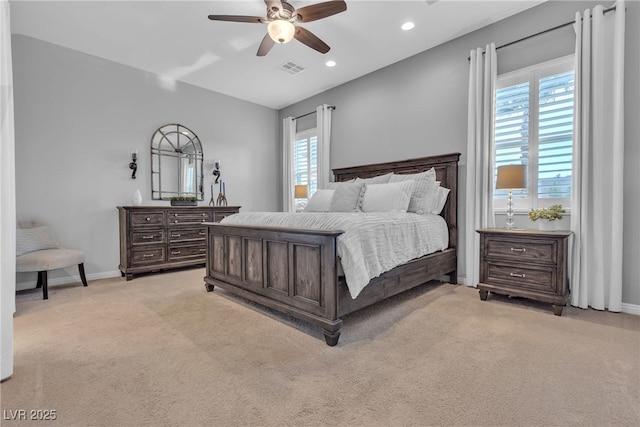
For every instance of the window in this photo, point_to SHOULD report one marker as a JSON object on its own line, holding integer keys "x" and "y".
{"x": 534, "y": 126}
{"x": 305, "y": 163}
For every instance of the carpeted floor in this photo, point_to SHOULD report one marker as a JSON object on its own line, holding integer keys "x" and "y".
{"x": 160, "y": 350}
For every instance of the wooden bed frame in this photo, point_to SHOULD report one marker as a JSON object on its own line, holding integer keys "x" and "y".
{"x": 295, "y": 271}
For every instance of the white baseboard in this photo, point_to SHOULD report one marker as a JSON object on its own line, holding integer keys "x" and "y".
{"x": 631, "y": 308}
{"x": 69, "y": 279}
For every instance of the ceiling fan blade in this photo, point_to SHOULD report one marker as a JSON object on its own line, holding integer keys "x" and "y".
{"x": 320, "y": 10}
{"x": 266, "y": 45}
{"x": 274, "y": 5}
{"x": 237, "y": 18}
{"x": 307, "y": 37}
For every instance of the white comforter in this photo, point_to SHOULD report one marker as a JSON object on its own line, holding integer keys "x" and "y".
{"x": 372, "y": 243}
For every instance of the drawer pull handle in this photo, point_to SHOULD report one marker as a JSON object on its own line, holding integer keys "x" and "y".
{"x": 148, "y": 237}
{"x": 148, "y": 219}
{"x": 522, "y": 276}
{"x": 176, "y": 215}
{"x": 175, "y": 222}
{"x": 147, "y": 255}
{"x": 175, "y": 252}
{"x": 204, "y": 214}
{"x": 202, "y": 233}
{"x": 175, "y": 235}
{"x": 518, "y": 249}
{"x": 202, "y": 250}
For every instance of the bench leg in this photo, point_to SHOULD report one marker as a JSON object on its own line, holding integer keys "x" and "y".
{"x": 42, "y": 281}
{"x": 82, "y": 276}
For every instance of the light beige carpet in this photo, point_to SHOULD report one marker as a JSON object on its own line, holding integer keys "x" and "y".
{"x": 160, "y": 350}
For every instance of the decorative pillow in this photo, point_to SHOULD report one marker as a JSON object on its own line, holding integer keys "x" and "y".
{"x": 424, "y": 192}
{"x": 380, "y": 179}
{"x": 34, "y": 239}
{"x": 392, "y": 197}
{"x": 346, "y": 197}
{"x": 440, "y": 200}
{"x": 333, "y": 185}
{"x": 320, "y": 201}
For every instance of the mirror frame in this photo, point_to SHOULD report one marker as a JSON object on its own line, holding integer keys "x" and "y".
{"x": 176, "y": 140}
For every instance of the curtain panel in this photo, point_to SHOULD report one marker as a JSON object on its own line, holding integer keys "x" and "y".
{"x": 480, "y": 158}
{"x": 7, "y": 197}
{"x": 288, "y": 180}
{"x": 323, "y": 117}
{"x": 598, "y": 160}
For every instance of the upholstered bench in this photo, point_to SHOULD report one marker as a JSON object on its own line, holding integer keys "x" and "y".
{"x": 37, "y": 250}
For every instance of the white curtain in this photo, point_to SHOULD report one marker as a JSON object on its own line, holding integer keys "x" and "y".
{"x": 323, "y": 118}
{"x": 480, "y": 159}
{"x": 598, "y": 159}
{"x": 7, "y": 197}
{"x": 288, "y": 181}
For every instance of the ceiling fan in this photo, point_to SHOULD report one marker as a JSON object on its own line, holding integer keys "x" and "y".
{"x": 281, "y": 17}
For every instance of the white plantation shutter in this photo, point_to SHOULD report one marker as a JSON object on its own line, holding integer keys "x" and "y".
{"x": 555, "y": 136}
{"x": 534, "y": 127}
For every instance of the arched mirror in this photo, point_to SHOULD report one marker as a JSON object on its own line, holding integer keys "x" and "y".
{"x": 176, "y": 163}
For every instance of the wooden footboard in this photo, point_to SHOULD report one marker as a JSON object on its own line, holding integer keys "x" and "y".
{"x": 289, "y": 270}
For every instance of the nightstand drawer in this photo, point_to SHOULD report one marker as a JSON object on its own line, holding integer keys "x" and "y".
{"x": 542, "y": 279}
{"x": 520, "y": 250}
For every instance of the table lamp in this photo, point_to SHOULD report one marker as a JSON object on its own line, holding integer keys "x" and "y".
{"x": 511, "y": 177}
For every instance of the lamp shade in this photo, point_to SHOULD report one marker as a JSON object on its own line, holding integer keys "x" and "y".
{"x": 511, "y": 177}
{"x": 300, "y": 191}
{"x": 281, "y": 31}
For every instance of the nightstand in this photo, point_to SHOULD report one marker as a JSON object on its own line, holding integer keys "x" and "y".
{"x": 525, "y": 263}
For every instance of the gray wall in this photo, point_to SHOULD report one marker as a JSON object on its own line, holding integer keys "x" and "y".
{"x": 418, "y": 107}
{"x": 77, "y": 116}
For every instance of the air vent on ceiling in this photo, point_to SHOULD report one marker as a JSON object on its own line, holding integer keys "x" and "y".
{"x": 291, "y": 68}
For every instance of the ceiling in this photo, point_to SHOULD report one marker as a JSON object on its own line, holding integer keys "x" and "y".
{"x": 176, "y": 41}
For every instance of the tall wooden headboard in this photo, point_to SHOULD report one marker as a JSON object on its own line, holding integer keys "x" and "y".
{"x": 446, "y": 167}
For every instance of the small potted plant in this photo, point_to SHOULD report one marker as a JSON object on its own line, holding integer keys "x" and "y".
{"x": 184, "y": 201}
{"x": 547, "y": 216}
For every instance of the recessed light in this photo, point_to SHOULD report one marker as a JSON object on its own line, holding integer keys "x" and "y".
{"x": 331, "y": 63}
{"x": 408, "y": 26}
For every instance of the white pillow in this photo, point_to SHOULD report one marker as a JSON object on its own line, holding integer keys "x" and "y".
{"x": 392, "y": 197}
{"x": 422, "y": 199}
{"x": 440, "y": 200}
{"x": 320, "y": 201}
{"x": 346, "y": 197}
{"x": 34, "y": 239}
{"x": 380, "y": 179}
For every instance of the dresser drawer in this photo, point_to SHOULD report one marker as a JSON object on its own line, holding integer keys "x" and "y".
{"x": 144, "y": 237}
{"x": 536, "y": 278}
{"x": 148, "y": 255}
{"x": 143, "y": 219}
{"x": 180, "y": 217}
{"x": 178, "y": 253}
{"x": 187, "y": 234}
{"x": 521, "y": 251}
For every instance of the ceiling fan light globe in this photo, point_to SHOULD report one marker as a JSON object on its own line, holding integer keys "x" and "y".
{"x": 281, "y": 31}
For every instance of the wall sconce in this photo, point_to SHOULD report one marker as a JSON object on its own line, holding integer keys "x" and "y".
{"x": 133, "y": 165}
{"x": 511, "y": 177}
{"x": 216, "y": 170}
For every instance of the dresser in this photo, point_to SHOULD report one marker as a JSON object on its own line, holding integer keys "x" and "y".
{"x": 525, "y": 263}
{"x": 154, "y": 238}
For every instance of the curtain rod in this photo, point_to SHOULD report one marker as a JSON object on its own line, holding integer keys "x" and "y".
{"x": 332, "y": 107}
{"x": 544, "y": 32}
